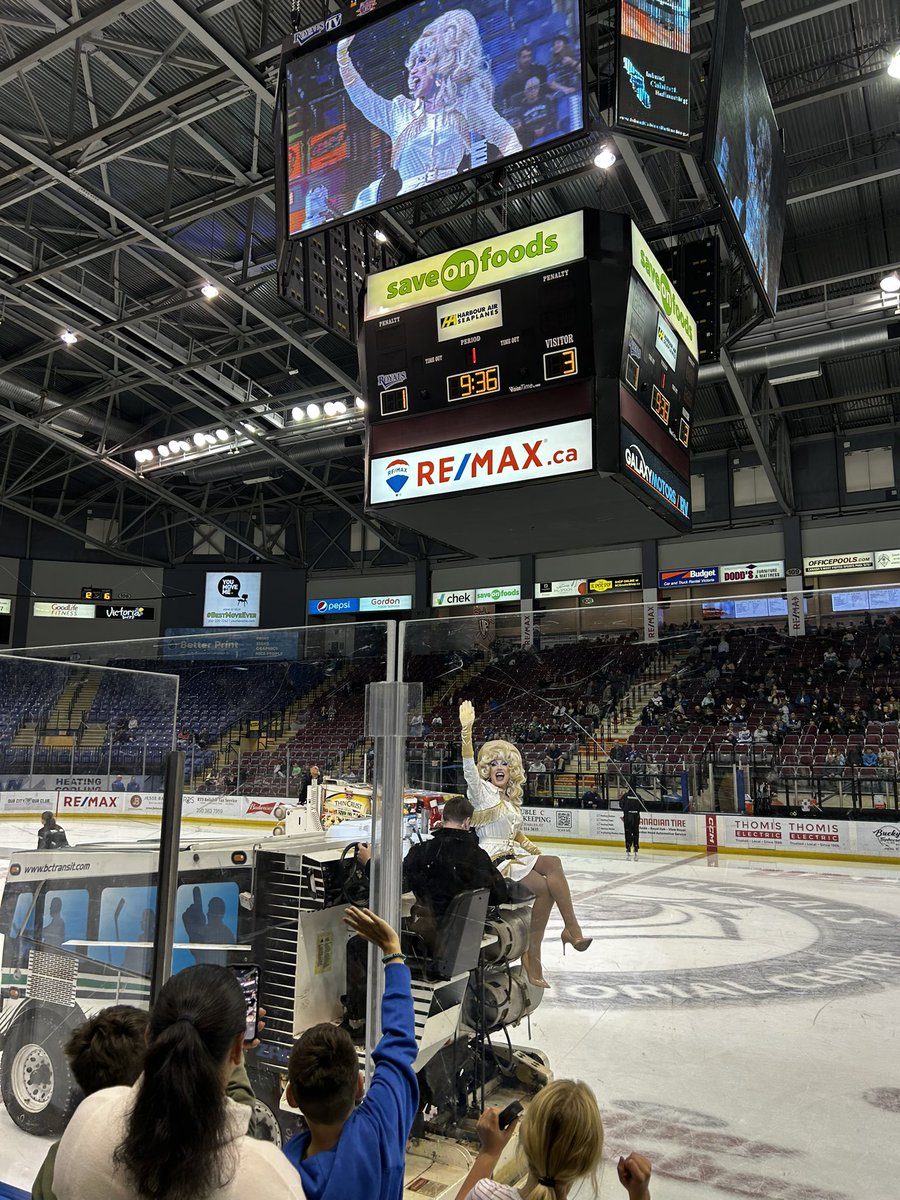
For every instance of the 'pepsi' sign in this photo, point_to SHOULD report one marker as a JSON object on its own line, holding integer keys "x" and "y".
{"x": 326, "y": 608}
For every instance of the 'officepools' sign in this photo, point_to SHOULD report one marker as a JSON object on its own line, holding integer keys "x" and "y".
{"x": 492, "y": 261}
{"x": 232, "y": 600}
{"x": 524, "y": 457}
{"x": 838, "y": 564}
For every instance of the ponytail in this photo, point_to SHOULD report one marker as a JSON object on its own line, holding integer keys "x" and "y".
{"x": 561, "y": 1137}
{"x": 177, "y": 1141}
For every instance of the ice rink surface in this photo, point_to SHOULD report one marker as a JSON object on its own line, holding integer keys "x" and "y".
{"x": 737, "y": 1018}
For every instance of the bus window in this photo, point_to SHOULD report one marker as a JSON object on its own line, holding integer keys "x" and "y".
{"x": 127, "y": 914}
{"x": 65, "y": 919}
{"x": 21, "y": 929}
{"x": 206, "y": 913}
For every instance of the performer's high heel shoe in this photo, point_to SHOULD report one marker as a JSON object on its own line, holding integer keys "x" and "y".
{"x": 534, "y": 977}
{"x": 580, "y": 944}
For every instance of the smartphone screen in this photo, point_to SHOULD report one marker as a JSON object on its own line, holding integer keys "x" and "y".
{"x": 247, "y": 975}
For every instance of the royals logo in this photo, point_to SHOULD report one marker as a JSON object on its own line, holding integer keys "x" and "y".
{"x": 397, "y": 475}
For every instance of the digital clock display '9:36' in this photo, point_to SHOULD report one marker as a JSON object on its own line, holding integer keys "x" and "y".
{"x": 477, "y": 382}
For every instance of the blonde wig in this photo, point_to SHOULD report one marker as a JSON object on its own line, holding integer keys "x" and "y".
{"x": 508, "y": 752}
{"x": 451, "y": 45}
{"x": 562, "y": 1136}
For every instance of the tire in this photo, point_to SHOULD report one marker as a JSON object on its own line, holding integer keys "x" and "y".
{"x": 37, "y": 1086}
{"x": 264, "y": 1124}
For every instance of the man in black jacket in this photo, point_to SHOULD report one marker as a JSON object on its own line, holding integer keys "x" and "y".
{"x": 451, "y": 862}
{"x": 51, "y": 835}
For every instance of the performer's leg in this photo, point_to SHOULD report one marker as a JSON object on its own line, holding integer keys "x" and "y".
{"x": 540, "y": 915}
{"x": 550, "y": 867}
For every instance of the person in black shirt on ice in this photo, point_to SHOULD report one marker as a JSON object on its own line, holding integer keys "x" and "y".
{"x": 631, "y": 816}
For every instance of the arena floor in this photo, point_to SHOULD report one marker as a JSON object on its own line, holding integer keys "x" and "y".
{"x": 736, "y": 1017}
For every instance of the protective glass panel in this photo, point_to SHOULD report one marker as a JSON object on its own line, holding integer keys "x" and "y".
{"x": 79, "y": 892}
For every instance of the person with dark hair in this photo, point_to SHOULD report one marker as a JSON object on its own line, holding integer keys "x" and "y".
{"x": 354, "y": 1145}
{"x": 631, "y": 817}
{"x": 450, "y": 862}
{"x": 51, "y": 835}
{"x": 54, "y": 930}
{"x": 176, "y": 1135}
{"x": 106, "y": 1051}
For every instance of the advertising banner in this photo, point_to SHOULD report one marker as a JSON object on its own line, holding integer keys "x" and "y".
{"x": 64, "y": 609}
{"x": 453, "y": 599}
{"x": 651, "y": 616}
{"x": 796, "y": 607}
{"x": 492, "y": 261}
{"x": 839, "y": 564}
{"x": 885, "y": 560}
{"x": 815, "y": 835}
{"x": 560, "y": 589}
{"x": 689, "y": 577}
{"x": 543, "y": 453}
{"x": 641, "y": 464}
{"x": 232, "y": 600}
{"x": 751, "y": 572}
{"x": 650, "y": 270}
{"x": 498, "y": 595}
{"x": 90, "y": 804}
{"x": 194, "y": 644}
{"x": 616, "y": 583}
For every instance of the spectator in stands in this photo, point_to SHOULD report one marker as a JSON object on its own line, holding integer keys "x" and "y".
{"x": 830, "y": 661}
{"x": 512, "y": 90}
{"x": 107, "y": 1051}
{"x": 561, "y": 1139}
{"x": 355, "y": 1145}
{"x": 564, "y": 70}
{"x": 761, "y": 735}
{"x": 534, "y": 117}
{"x": 835, "y": 759}
{"x": 854, "y": 662}
{"x": 708, "y": 702}
{"x": 51, "y": 835}
{"x": 437, "y": 721}
{"x": 176, "y": 1133}
{"x": 132, "y": 785}
{"x": 495, "y": 791}
{"x": 307, "y": 779}
{"x": 870, "y": 757}
{"x": 887, "y": 760}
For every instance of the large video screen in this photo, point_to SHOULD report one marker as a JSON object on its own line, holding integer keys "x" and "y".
{"x": 653, "y": 69}
{"x": 743, "y": 148}
{"x": 422, "y": 94}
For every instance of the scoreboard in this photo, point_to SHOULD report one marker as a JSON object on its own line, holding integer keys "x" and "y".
{"x": 555, "y": 359}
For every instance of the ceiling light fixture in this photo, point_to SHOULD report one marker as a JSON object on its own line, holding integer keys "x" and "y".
{"x": 313, "y": 410}
{"x": 69, "y": 337}
{"x": 894, "y": 65}
{"x": 184, "y": 447}
{"x": 340, "y": 407}
{"x": 890, "y": 284}
{"x": 360, "y": 404}
{"x": 199, "y": 439}
{"x": 380, "y": 236}
{"x": 174, "y": 446}
{"x": 209, "y": 438}
{"x": 605, "y": 159}
{"x": 330, "y": 408}
{"x": 163, "y": 451}
{"x": 297, "y": 413}
{"x": 223, "y": 435}
{"x": 209, "y": 290}
{"x": 143, "y": 456}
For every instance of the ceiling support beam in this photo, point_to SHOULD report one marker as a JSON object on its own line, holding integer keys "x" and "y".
{"x": 104, "y": 14}
{"x": 844, "y": 185}
{"x": 200, "y": 29}
{"x": 34, "y": 514}
{"x": 737, "y": 390}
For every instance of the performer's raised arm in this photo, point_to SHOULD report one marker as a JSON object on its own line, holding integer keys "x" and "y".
{"x": 380, "y": 112}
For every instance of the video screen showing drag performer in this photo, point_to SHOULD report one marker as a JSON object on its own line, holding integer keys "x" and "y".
{"x": 421, "y": 96}
{"x": 494, "y": 784}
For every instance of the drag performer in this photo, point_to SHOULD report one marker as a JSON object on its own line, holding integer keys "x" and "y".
{"x": 495, "y": 792}
{"x": 450, "y": 106}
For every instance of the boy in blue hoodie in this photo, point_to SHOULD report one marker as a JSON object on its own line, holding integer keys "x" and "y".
{"x": 355, "y": 1145}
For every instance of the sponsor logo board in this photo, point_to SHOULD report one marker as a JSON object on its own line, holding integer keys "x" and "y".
{"x": 534, "y": 454}
{"x": 232, "y": 599}
{"x": 453, "y": 599}
{"x": 839, "y": 564}
{"x": 649, "y": 268}
{"x": 560, "y": 588}
{"x": 750, "y": 572}
{"x": 498, "y": 595}
{"x": 885, "y": 560}
{"x": 65, "y": 610}
{"x": 640, "y": 463}
{"x": 689, "y": 577}
{"x": 492, "y": 261}
{"x": 472, "y": 315}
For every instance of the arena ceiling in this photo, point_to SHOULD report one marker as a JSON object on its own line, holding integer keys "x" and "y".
{"x": 136, "y": 165}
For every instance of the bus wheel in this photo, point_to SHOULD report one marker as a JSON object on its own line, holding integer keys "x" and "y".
{"x": 37, "y": 1086}
{"x": 265, "y": 1125}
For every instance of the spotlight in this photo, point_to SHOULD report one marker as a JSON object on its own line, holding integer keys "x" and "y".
{"x": 199, "y": 439}
{"x": 249, "y": 426}
{"x": 330, "y": 408}
{"x": 360, "y": 404}
{"x": 891, "y": 283}
{"x": 293, "y": 370}
{"x": 174, "y": 446}
{"x": 605, "y": 159}
{"x": 210, "y": 439}
{"x": 380, "y": 236}
{"x": 223, "y": 435}
{"x": 209, "y": 290}
{"x": 69, "y": 337}
{"x": 313, "y": 410}
{"x": 340, "y": 406}
{"x": 163, "y": 451}
{"x": 894, "y": 65}
{"x": 184, "y": 447}
{"x": 297, "y": 413}
{"x": 143, "y": 456}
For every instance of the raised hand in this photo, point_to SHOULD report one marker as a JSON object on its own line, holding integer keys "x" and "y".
{"x": 467, "y": 714}
{"x": 371, "y": 927}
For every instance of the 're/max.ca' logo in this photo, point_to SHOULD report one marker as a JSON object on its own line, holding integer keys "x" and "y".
{"x": 396, "y": 475}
